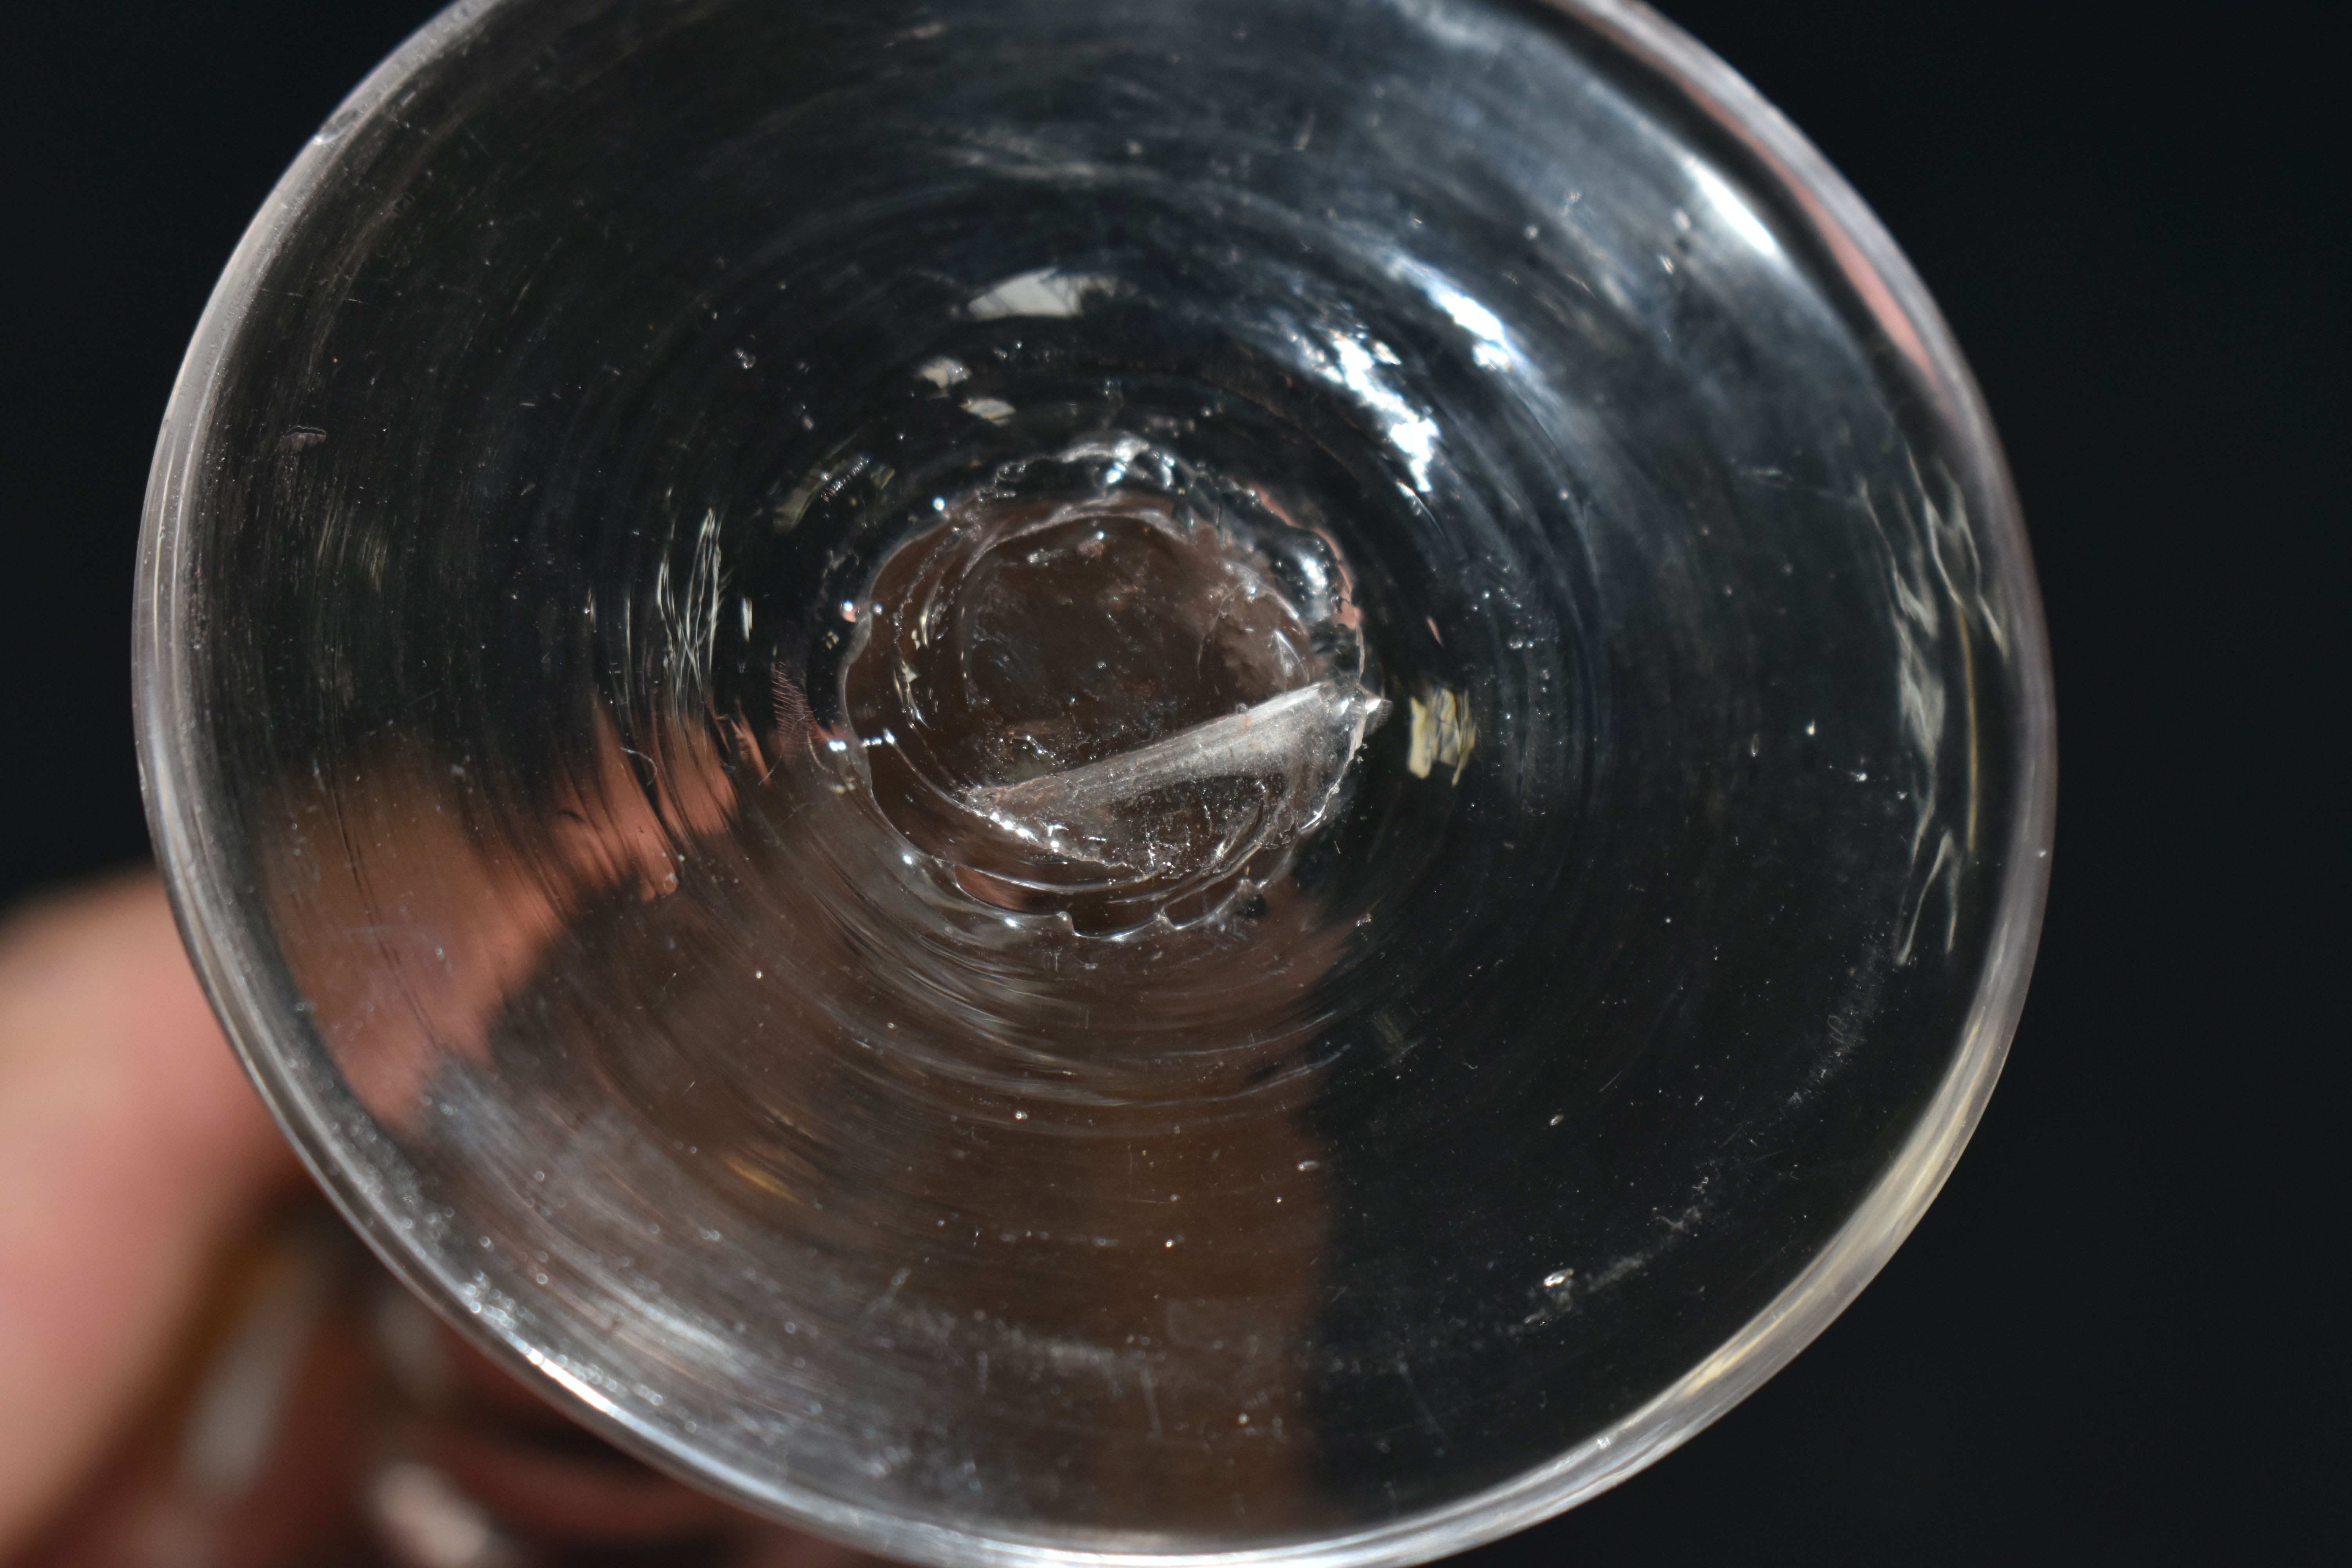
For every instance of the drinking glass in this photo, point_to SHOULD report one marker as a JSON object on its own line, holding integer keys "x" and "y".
{"x": 1142, "y": 781}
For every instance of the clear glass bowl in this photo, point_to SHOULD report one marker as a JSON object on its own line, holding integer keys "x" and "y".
{"x": 1080, "y": 778}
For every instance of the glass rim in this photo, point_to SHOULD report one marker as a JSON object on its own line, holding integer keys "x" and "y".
{"x": 1859, "y": 247}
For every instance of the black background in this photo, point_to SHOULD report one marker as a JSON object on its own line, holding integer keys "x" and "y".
{"x": 2113, "y": 1335}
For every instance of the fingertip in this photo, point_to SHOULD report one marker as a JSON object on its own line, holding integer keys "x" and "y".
{"x": 130, "y": 1142}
